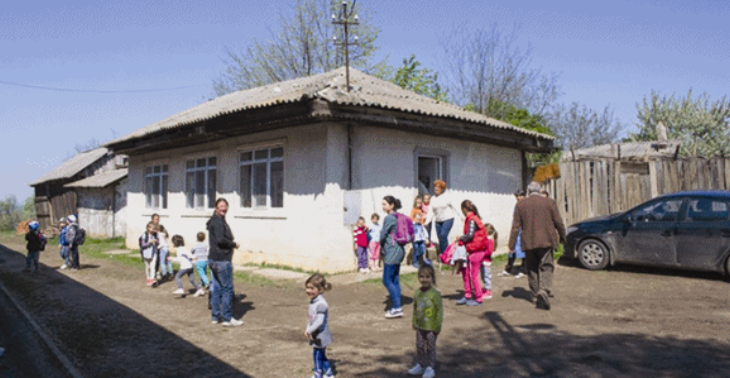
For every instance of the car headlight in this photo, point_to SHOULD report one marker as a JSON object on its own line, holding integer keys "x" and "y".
{"x": 571, "y": 229}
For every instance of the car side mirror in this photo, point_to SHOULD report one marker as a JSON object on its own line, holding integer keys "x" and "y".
{"x": 628, "y": 219}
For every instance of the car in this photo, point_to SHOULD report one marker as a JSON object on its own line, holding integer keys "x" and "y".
{"x": 684, "y": 230}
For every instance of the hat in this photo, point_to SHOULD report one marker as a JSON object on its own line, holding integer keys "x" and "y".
{"x": 71, "y": 218}
{"x": 33, "y": 225}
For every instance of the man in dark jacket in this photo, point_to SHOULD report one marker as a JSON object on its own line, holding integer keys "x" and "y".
{"x": 219, "y": 261}
{"x": 541, "y": 225}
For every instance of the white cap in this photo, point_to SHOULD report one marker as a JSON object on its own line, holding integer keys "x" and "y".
{"x": 71, "y": 218}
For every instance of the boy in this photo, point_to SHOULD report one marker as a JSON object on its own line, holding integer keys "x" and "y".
{"x": 360, "y": 235}
{"x": 36, "y": 241}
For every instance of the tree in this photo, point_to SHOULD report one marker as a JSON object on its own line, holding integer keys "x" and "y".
{"x": 702, "y": 125}
{"x": 577, "y": 126}
{"x": 9, "y": 213}
{"x": 485, "y": 66}
{"x": 518, "y": 116}
{"x": 29, "y": 208}
{"x": 420, "y": 80}
{"x": 302, "y": 47}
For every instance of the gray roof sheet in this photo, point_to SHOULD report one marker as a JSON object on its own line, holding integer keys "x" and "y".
{"x": 72, "y": 166}
{"x": 100, "y": 180}
{"x": 630, "y": 150}
{"x": 366, "y": 91}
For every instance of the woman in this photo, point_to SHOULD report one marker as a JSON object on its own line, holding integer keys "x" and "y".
{"x": 393, "y": 254}
{"x": 442, "y": 213}
{"x": 475, "y": 241}
{"x": 219, "y": 260}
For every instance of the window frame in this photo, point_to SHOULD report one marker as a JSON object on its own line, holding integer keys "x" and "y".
{"x": 209, "y": 203}
{"x": 432, "y": 153}
{"x": 252, "y": 162}
{"x": 163, "y": 194}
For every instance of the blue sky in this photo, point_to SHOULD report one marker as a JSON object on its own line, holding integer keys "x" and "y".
{"x": 606, "y": 52}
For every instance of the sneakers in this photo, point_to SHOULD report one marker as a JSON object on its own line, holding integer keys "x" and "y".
{"x": 149, "y": 282}
{"x": 462, "y": 301}
{"x": 487, "y": 294}
{"x": 179, "y": 292}
{"x": 364, "y": 270}
{"x": 472, "y": 303}
{"x": 394, "y": 313}
{"x": 416, "y": 370}
{"x": 199, "y": 293}
{"x": 520, "y": 275}
{"x": 429, "y": 373}
{"x": 215, "y": 321}
{"x": 233, "y": 323}
{"x": 504, "y": 274}
{"x": 64, "y": 266}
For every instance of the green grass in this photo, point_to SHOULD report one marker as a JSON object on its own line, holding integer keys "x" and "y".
{"x": 265, "y": 265}
{"x": 258, "y": 280}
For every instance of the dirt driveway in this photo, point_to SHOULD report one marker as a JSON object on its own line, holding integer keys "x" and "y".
{"x": 619, "y": 323}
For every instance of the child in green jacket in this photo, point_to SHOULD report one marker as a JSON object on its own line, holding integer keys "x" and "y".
{"x": 428, "y": 315}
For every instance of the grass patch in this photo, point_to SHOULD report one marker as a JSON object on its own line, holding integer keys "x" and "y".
{"x": 98, "y": 248}
{"x": 255, "y": 279}
{"x": 264, "y": 265}
{"x": 409, "y": 279}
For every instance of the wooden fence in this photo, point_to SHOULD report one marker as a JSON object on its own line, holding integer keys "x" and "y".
{"x": 591, "y": 188}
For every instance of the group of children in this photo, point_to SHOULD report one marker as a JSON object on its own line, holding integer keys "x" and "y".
{"x": 156, "y": 253}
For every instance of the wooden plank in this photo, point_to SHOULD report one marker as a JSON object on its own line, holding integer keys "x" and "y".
{"x": 603, "y": 188}
{"x": 727, "y": 174}
{"x": 618, "y": 187}
{"x": 653, "y": 180}
{"x": 720, "y": 162}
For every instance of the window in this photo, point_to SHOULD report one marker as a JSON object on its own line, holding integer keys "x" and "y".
{"x": 262, "y": 178}
{"x": 659, "y": 211}
{"x": 430, "y": 169}
{"x": 155, "y": 186}
{"x": 707, "y": 210}
{"x": 200, "y": 183}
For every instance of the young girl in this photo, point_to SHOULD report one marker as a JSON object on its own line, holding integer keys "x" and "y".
{"x": 164, "y": 248}
{"x": 185, "y": 259}
{"x": 426, "y": 209}
{"x": 393, "y": 255}
{"x": 475, "y": 241}
{"x": 148, "y": 249}
{"x": 419, "y": 241}
{"x": 318, "y": 330}
{"x": 417, "y": 209}
{"x": 374, "y": 242}
{"x": 360, "y": 235}
{"x": 492, "y": 236}
{"x": 428, "y": 314}
{"x": 200, "y": 251}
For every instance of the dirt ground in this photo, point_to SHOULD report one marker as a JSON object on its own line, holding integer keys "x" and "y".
{"x": 626, "y": 322}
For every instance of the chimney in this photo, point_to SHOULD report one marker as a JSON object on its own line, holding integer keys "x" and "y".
{"x": 661, "y": 132}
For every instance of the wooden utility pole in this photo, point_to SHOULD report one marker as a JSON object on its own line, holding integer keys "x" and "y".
{"x": 344, "y": 19}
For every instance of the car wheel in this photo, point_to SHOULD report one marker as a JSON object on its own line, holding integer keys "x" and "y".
{"x": 593, "y": 254}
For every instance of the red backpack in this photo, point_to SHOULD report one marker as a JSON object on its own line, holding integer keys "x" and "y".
{"x": 404, "y": 230}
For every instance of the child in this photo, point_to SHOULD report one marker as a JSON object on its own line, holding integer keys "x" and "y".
{"x": 428, "y": 315}
{"x": 63, "y": 244}
{"x": 318, "y": 330}
{"x": 185, "y": 259}
{"x": 360, "y": 235}
{"x": 417, "y": 209}
{"x": 419, "y": 241}
{"x": 164, "y": 249}
{"x": 509, "y": 269}
{"x": 36, "y": 242}
{"x": 148, "y": 250}
{"x": 426, "y": 208}
{"x": 200, "y": 251}
{"x": 374, "y": 235}
{"x": 492, "y": 236}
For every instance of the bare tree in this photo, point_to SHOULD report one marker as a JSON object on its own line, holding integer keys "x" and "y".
{"x": 302, "y": 47}
{"x": 485, "y": 66}
{"x": 577, "y": 126}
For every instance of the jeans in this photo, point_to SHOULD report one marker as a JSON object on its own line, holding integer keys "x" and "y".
{"x": 202, "y": 268}
{"x": 64, "y": 253}
{"x": 442, "y": 231}
{"x": 221, "y": 290}
{"x": 321, "y": 363}
{"x": 32, "y": 259}
{"x": 164, "y": 264}
{"x": 191, "y": 277}
{"x": 419, "y": 254}
{"x": 74, "y": 257}
{"x": 392, "y": 283}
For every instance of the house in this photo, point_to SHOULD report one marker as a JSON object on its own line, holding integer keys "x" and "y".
{"x": 300, "y": 160}
{"x": 83, "y": 185}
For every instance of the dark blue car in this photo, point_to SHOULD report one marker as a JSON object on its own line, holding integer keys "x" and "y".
{"x": 686, "y": 230}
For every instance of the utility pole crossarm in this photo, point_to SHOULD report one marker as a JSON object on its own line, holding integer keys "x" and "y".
{"x": 345, "y": 18}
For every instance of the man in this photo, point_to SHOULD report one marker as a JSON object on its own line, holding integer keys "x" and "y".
{"x": 541, "y": 226}
{"x": 71, "y": 230}
{"x": 219, "y": 260}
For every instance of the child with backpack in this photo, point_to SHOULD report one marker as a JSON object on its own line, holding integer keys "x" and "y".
{"x": 200, "y": 252}
{"x": 36, "y": 242}
{"x": 148, "y": 250}
{"x": 374, "y": 248}
{"x": 396, "y": 233}
{"x": 318, "y": 330}
{"x": 75, "y": 236}
{"x": 63, "y": 244}
{"x": 164, "y": 251}
{"x": 185, "y": 259}
{"x": 360, "y": 236}
{"x": 428, "y": 316}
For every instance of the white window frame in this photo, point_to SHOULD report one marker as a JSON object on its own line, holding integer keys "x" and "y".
{"x": 269, "y": 160}
{"x": 207, "y": 168}
{"x": 443, "y": 157}
{"x": 164, "y": 197}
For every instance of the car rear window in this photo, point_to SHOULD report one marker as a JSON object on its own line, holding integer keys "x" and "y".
{"x": 707, "y": 210}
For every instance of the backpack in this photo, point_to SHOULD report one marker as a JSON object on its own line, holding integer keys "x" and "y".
{"x": 404, "y": 229}
{"x": 80, "y": 237}
{"x": 43, "y": 240}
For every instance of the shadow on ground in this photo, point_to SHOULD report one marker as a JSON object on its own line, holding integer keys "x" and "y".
{"x": 670, "y": 272}
{"x": 114, "y": 340}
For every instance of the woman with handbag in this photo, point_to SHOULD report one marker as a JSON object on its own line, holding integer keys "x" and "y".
{"x": 475, "y": 242}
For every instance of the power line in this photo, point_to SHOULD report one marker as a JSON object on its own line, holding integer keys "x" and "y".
{"x": 93, "y": 90}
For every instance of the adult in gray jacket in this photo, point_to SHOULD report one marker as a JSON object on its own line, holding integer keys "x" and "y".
{"x": 219, "y": 260}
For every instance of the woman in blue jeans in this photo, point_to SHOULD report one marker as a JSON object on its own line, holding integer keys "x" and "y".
{"x": 442, "y": 213}
{"x": 393, "y": 255}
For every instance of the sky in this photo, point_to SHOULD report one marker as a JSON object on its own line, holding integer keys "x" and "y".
{"x": 152, "y": 59}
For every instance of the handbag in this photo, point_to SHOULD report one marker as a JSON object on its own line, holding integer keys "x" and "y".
{"x": 459, "y": 256}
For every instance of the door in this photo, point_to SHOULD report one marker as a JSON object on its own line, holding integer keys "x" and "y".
{"x": 649, "y": 236}
{"x": 703, "y": 235}
{"x": 429, "y": 170}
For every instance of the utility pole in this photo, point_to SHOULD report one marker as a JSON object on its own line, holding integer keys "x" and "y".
{"x": 344, "y": 19}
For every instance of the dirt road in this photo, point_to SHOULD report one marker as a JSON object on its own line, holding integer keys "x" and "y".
{"x": 619, "y": 323}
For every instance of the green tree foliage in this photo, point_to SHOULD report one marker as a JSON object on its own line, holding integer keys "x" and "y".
{"x": 303, "y": 46}
{"x": 10, "y": 213}
{"x": 420, "y": 80}
{"x": 519, "y": 117}
{"x": 29, "y": 208}
{"x": 702, "y": 125}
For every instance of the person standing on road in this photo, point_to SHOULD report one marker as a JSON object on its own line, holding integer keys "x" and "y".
{"x": 71, "y": 231}
{"x": 64, "y": 244}
{"x": 541, "y": 226}
{"x": 219, "y": 260}
{"x": 442, "y": 213}
{"x": 394, "y": 254}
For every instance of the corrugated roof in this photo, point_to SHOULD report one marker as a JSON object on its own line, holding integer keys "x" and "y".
{"x": 72, "y": 166}
{"x": 631, "y": 150}
{"x": 100, "y": 180}
{"x": 366, "y": 91}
